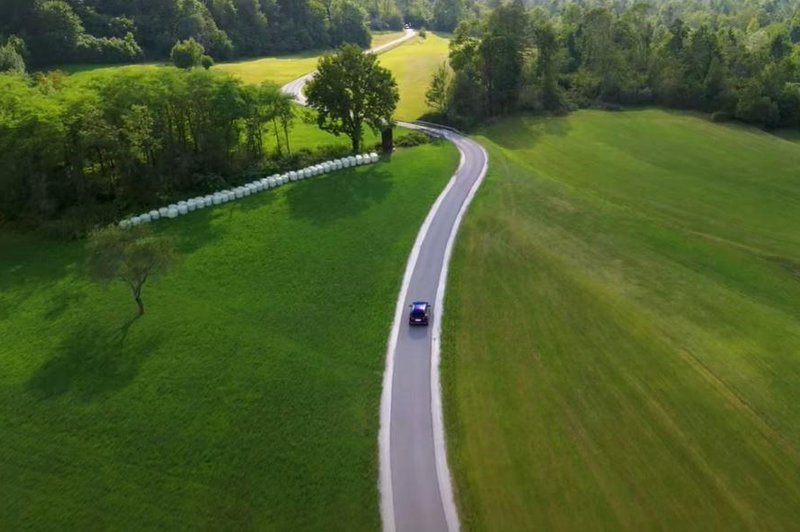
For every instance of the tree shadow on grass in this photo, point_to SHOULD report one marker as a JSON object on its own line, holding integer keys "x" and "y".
{"x": 93, "y": 361}
{"x": 532, "y": 130}
{"x": 339, "y": 195}
{"x": 61, "y": 301}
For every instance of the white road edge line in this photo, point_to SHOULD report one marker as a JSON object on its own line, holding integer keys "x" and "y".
{"x": 384, "y": 434}
{"x": 437, "y": 413}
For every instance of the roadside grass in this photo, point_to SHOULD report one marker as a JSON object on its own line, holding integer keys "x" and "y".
{"x": 306, "y": 135}
{"x": 622, "y": 337}
{"x": 246, "y": 397}
{"x": 413, "y": 65}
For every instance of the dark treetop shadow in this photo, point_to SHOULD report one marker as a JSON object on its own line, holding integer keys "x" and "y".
{"x": 93, "y": 361}
{"x": 343, "y": 194}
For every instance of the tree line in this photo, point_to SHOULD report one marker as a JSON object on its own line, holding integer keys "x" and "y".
{"x": 46, "y": 33}
{"x": 741, "y": 63}
{"x": 75, "y": 152}
{"x": 80, "y": 152}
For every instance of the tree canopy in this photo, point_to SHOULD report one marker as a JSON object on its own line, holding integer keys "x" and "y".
{"x": 350, "y": 90}
{"x": 736, "y": 60}
{"x": 75, "y": 153}
{"x": 132, "y": 256}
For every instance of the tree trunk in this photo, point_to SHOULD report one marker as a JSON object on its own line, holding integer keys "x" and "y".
{"x": 137, "y": 294}
{"x": 286, "y": 135}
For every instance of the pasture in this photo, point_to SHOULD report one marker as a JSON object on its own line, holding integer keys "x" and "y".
{"x": 413, "y": 65}
{"x": 246, "y": 397}
{"x": 622, "y": 340}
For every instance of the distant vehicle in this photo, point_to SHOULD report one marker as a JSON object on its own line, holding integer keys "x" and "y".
{"x": 420, "y": 313}
{"x": 407, "y": 26}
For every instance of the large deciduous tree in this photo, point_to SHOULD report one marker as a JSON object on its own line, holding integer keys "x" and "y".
{"x": 129, "y": 255}
{"x": 350, "y": 90}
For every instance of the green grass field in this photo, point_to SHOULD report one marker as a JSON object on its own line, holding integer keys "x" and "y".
{"x": 279, "y": 69}
{"x": 413, "y": 65}
{"x": 622, "y": 339}
{"x": 247, "y": 396}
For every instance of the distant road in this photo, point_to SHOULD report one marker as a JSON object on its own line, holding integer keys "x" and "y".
{"x": 416, "y": 492}
{"x": 295, "y": 87}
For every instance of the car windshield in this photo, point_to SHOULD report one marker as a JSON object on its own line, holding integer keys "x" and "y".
{"x": 418, "y": 311}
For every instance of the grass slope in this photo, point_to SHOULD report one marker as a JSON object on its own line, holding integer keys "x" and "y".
{"x": 247, "y": 397}
{"x": 622, "y": 340}
{"x": 279, "y": 69}
{"x": 413, "y": 65}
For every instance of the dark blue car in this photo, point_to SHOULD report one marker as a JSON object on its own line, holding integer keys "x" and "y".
{"x": 420, "y": 313}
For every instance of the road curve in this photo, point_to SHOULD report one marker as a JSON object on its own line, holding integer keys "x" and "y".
{"x": 415, "y": 486}
{"x": 295, "y": 88}
{"x": 416, "y": 492}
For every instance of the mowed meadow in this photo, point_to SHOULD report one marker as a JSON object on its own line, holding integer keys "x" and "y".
{"x": 246, "y": 397}
{"x": 412, "y": 63}
{"x": 621, "y": 346}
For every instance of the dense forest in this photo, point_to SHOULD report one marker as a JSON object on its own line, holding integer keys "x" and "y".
{"x": 733, "y": 59}
{"x": 53, "y": 32}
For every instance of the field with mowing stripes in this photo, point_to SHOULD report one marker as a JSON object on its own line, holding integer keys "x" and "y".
{"x": 413, "y": 65}
{"x": 622, "y": 340}
{"x": 246, "y": 397}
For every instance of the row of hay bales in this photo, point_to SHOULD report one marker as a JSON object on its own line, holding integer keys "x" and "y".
{"x": 224, "y": 196}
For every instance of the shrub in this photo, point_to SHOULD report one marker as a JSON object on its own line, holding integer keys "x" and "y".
{"x": 414, "y": 138}
{"x": 187, "y": 54}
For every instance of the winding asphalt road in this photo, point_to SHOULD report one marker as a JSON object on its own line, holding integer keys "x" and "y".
{"x": 416, "y": 492}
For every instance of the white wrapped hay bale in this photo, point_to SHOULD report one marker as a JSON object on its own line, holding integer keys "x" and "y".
{"x": 135, "y": 221}
{"x": 145, "y": 218}
{"x": 272, "y": 182}
{"x": 237, "y": 193}
{"x": 320, "y": 169}
{"x": 163, "y": 212}
{"x": 173, "y": 212}
{"x": 183, "y": 209}
{"x": 359, "y": 160}
{"x": 346, "y": 163}
{"x": 293, "y": 176}
{"x": 216, "y": 199}
{"x": 338, "y": 164}
{"x": 374, "y": 157}
{"x": 191, "y": 205}
{"x": 124, "y": 224}
{"x": 154, "y": 215}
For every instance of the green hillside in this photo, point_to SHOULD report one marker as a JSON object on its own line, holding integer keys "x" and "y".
{"x": 622, "y": 342}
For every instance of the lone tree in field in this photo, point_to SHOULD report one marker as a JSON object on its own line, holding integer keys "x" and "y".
{"x": 351, "y": 90}
{"x": 128, "y": 255}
